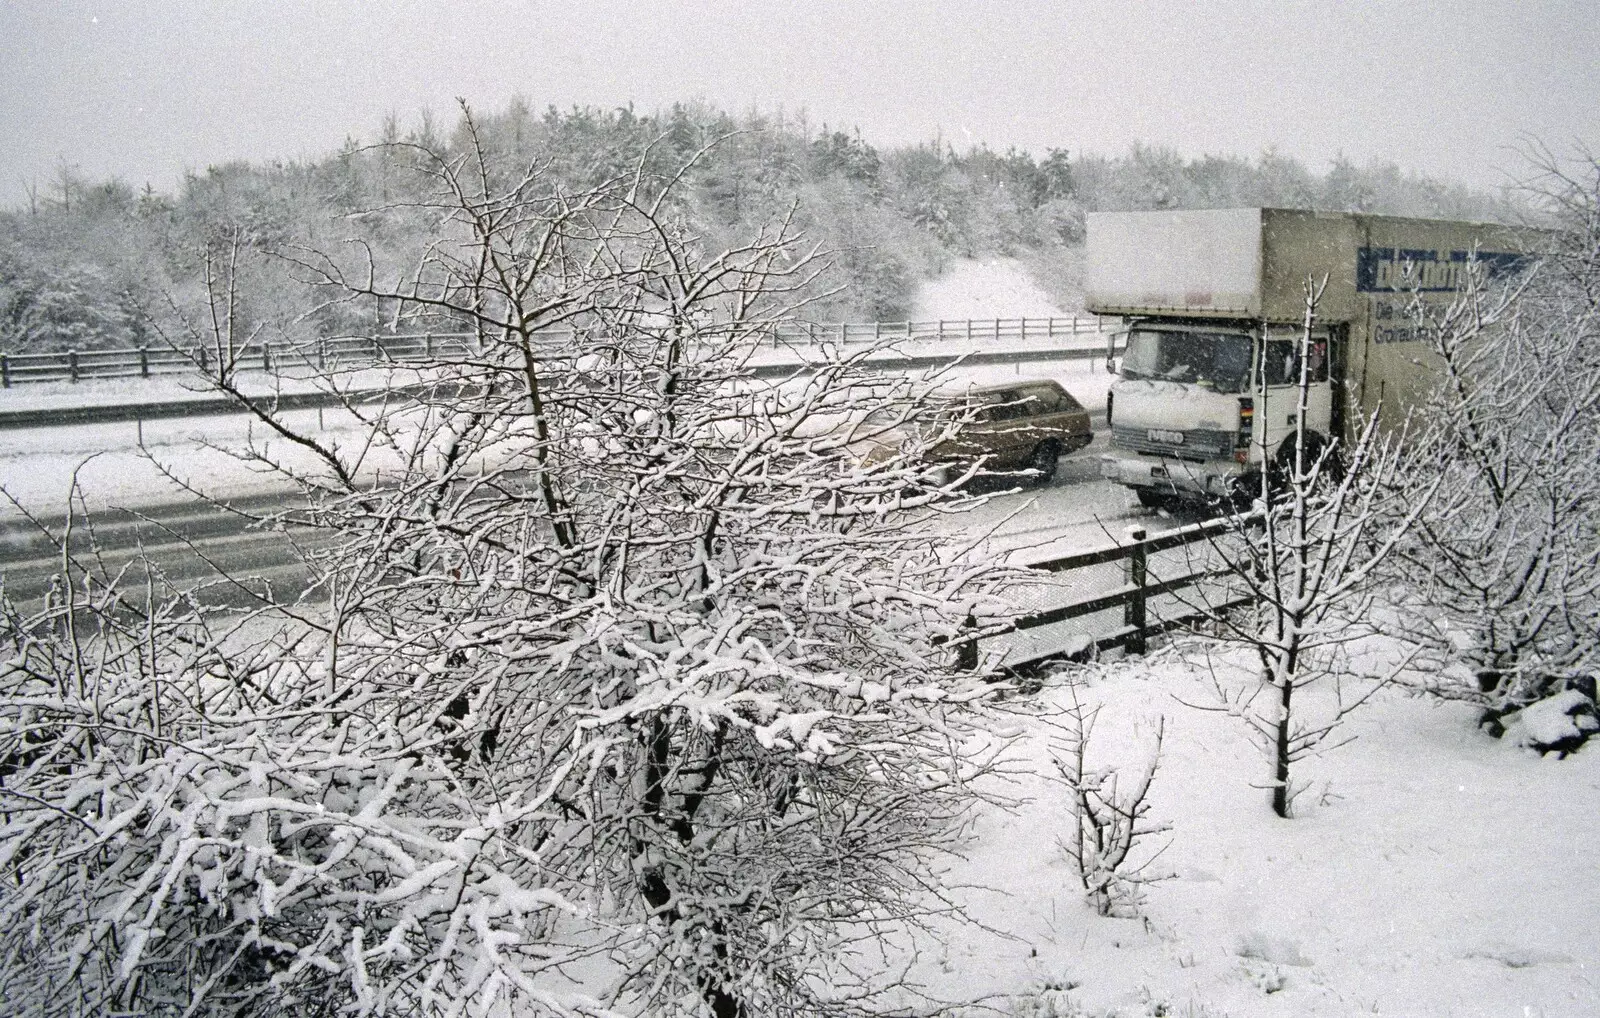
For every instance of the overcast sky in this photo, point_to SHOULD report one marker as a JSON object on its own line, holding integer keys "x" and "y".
{"x": 146, "y": 89}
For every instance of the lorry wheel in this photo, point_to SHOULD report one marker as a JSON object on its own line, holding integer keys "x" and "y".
{"x": 1043, "y": 462}
{"x": 1282, "y": 468}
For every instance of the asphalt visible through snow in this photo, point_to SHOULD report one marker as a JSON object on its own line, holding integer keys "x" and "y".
{"x": 233, "y": 558}
{"x": 224, "y": 552}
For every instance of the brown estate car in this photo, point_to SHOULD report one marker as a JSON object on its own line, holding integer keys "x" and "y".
{"x": 1023, "y": 425}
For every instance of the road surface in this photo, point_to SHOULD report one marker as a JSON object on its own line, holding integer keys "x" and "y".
{"x": 234, "y": 560}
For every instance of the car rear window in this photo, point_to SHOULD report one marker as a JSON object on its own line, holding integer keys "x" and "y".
{"x": 1048, "y": 399}
{"x": 1001, "y": 406}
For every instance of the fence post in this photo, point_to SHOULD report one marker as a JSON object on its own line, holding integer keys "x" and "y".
{"x": 322, "y": 352}
{"x": 1133, "y": 613}
{"x": 966, "y": 644}
{"x": 266, "y": 357}
{"x": 967, "y": 655}
{"x": 844, "y": 334}
{"x": 204, "y": 360}
{"x": 5, "y": 370}
{"x": 144, "y": 361}
{"x": 427, "y": 346}
{"x": 72, "y": 364}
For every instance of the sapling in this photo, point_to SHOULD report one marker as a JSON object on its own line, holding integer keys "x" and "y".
{"x": 1305, "y": 555}
{"x": 1110, "y": 816}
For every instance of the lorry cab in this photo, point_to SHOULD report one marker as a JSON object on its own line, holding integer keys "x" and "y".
{"x": 1202, "y": 405}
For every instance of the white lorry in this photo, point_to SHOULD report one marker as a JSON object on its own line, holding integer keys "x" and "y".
{"x": 1213, "y": 308}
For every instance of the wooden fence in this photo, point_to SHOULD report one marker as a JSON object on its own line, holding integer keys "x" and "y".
{"x": 351, "y": 351}
{"x": 1140, "y": 586}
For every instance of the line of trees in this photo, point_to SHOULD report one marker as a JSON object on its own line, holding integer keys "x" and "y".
{"x": 83, "y": 263}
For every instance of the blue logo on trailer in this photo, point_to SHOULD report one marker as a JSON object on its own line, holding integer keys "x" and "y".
{"x": 1423, "y": 270}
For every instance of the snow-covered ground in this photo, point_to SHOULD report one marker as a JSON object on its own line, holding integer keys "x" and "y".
{"x": 38, "y": 465}
{"x": 1431, "y": 871}
{"x": 983, "y": 288}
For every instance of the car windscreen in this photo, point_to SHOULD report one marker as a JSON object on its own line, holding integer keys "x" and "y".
{"x": 1219, "y": 360}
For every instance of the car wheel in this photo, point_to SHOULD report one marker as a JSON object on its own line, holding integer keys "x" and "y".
{"x": 1043, "y": 463}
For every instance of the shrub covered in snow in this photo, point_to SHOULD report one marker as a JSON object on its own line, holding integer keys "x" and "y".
{"x": 1503, "y": 574}
{"x": 197, "y": 818}
{"x": 1110, "y": 817}
{"x": 1559, "y": 723}
{"x": 628, "y": 692}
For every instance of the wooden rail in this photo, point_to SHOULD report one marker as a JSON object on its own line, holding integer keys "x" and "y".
{"x": 346, "y": 351}
{"x": 1133, "y": 595}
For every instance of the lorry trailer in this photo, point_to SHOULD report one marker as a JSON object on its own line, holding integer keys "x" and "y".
{"x": 1212, "y": 308}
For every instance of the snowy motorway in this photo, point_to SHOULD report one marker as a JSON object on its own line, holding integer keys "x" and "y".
{"x": 188, "y": 543}
{"x": 194, "y": 542}
{"x": 175, "y": 545}
{"x": 128, "y": 476}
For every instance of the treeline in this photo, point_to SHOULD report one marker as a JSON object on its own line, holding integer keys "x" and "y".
{"x": 87, "y": 264}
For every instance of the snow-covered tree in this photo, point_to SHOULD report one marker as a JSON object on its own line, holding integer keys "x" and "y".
{"x": 1109, "y": 818}
{"x": 1505, "y": 562}
{"x": 626, "y": 687}
{"x": 1323, "y": 521}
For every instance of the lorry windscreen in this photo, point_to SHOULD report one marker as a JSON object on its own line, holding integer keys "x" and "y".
{"x": 1218, "y": 360}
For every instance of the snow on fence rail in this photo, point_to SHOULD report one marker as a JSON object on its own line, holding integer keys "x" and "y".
{"x": 143, "y": 361}
{"x": 1141, "y": 587}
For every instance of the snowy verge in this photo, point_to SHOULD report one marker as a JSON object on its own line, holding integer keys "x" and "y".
{"x": 983, "y": 288}
{"x": 1433, "y": 871}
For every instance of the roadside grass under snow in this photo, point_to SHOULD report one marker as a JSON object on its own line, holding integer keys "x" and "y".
{"x": 1430, "y": 870}
{"x": 991, "y": 287}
